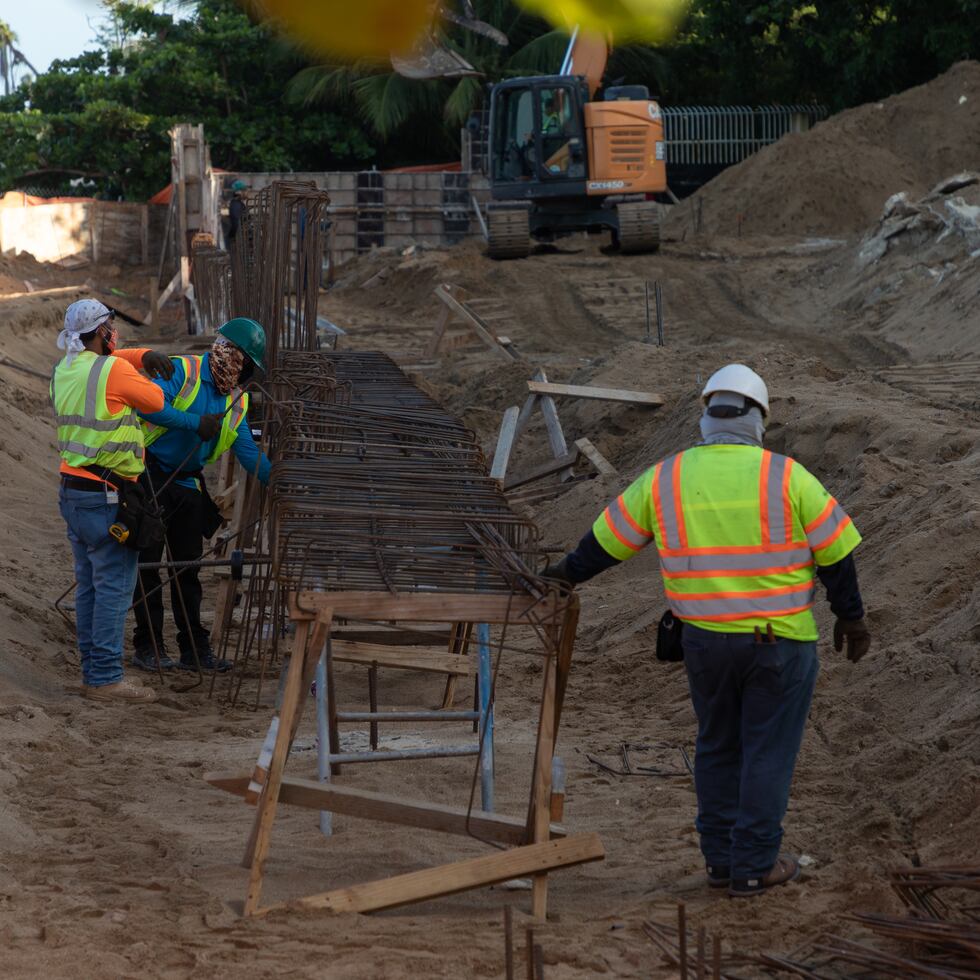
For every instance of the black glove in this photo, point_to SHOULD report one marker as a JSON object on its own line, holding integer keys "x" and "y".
{"x": 559, "y": 572}
{"x": 857, "y": 636}
{"x": 209, "y": 426}
{"x": 158, "y": 365}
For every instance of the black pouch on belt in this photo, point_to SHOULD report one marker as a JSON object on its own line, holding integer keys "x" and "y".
{"x": 137, "y": 512}
{"x": 669, "y": 632}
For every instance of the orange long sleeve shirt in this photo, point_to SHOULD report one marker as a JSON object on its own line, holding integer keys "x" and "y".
{"x": 125, "y": 388}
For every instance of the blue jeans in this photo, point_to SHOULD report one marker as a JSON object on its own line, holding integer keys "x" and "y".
{"x": 106, "y": 574}
{"x": 752, "y": 701}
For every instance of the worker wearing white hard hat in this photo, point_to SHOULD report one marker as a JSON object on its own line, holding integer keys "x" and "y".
{"x": 742, "y": 534}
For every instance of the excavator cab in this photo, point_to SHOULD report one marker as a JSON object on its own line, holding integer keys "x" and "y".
{"x": 537, "y": 138}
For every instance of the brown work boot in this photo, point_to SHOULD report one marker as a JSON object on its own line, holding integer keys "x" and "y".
{"x": 786, "y": 869}
{"x": 124, "y": 690}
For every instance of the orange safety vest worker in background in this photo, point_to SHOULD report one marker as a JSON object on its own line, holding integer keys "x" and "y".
{"x": 742, "y": 535}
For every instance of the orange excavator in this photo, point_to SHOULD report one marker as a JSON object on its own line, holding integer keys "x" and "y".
{"x": 561, "y": 162}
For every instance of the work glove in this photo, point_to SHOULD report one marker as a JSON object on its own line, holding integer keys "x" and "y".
{"x": 857, "y": 636}
{"x": 209, "y": 426}
{"x": 158, "y": 365}
{"x": 558, "y": 571}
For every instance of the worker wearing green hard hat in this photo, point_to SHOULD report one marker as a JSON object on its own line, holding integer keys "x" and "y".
{"x": 248, "y": 335}
{"x": 208, "y": 390}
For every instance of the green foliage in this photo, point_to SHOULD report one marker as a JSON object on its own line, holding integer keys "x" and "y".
{"x": 108, "y": 112}
{"x": 840, "y": 52}
{"x": 426, "y": 116}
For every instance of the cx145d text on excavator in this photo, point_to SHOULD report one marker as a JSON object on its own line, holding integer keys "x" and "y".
{"x": 560, "y": 162}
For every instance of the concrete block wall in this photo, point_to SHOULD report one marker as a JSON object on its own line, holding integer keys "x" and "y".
{"x": 430, "y": 209}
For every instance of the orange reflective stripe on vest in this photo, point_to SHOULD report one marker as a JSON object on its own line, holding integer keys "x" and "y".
{"x": 777, "y": 554}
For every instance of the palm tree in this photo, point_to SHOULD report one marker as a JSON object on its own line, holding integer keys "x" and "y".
{"x": 10, "y": 57}
{"x": 388, "y": 101}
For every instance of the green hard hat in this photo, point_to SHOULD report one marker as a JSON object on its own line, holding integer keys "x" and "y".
{"x": 247, "y": 334}
{"x": 239, "y": 185}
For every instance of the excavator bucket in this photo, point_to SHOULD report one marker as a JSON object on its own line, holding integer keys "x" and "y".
{"x": 430, "y": 58}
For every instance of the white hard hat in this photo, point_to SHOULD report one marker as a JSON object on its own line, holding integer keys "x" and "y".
{"x": 84, "y": 315}
{"x": 740, "y": 380}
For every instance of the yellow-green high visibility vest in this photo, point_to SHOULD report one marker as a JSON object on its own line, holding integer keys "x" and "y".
{"x": 236, "y": 408}
{"x": 88, "y": 433}
{"x": 739, "y": 530}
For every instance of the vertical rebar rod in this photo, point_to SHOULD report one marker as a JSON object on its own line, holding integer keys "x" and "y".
{"x": 647, "y": 339}
{"x": 509, "y": 942}
{"x": 682, "y": 938}
{"x": 701, "y": 939}
{"x": 323, "y": 738}
{"x": 373, "y": 701}
{"x": 486, "y": 716}
{"x": 659, "y": 297}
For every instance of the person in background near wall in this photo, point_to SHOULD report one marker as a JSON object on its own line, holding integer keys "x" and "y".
{"x": 96, "y": 391}
{"x": 208, "y": 385}
{"x": 236, "y": 209}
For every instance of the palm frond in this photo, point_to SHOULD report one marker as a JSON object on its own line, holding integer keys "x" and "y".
{"x": 465, "y": 96}
{"x": 324, "y": 84}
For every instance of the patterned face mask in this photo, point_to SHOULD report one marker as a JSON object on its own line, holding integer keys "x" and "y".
{"x": 227, "y": 362}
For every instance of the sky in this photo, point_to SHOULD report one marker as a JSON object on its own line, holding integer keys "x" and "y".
{"x": 49, "y": 29}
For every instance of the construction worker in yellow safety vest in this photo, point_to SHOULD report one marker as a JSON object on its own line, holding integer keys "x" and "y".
{"x": 742, "y": 534}
{"x": 209, "y": 387}
{"x": 96, "y": 391}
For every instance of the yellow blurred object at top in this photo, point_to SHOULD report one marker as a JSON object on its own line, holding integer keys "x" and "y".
{"x": 623, "y": 20}
{"x": 339, "y": 28}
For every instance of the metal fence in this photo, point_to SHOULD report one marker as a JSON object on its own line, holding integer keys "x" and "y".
{"x": 723, "y": 135}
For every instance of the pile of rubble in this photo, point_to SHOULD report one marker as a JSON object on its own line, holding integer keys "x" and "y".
{"x": 942, "y": 216}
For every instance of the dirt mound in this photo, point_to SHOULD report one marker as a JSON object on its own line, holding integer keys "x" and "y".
{"x": 835, "y": 178}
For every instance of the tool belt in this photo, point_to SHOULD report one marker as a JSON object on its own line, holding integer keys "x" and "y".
{"x": 211, "y": 519}
{"x": 670, "y": 631}
{"x": 138, "y": 522}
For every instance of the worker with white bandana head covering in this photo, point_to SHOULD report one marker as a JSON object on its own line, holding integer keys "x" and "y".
{"x": 96, "y": 391}
{"x": 210, "y": 386}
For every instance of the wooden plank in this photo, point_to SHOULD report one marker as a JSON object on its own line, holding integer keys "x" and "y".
{"x": 472, "y": 320}
{"x": 505, "y": 443}
{"x": 450, "y": 879}
{"x": 540, "y": 815}
{"x": 392, "y": 638}
{"x": 556, "y": 437}
{"x": 55, "y": 291}
{"x": 524, "y": 418}
{"x": 596, "y": 458}
{"x": 598, "y": 394}
{"x": 403, "y": 658}
{"x": 432, "y": 348}
{"x": 354, "y": 802}
{"x": 291, "y": 707}
{"x": 168, "y": 292}
{"x": 545, "y": 469}
{"x": 424, "y": 607}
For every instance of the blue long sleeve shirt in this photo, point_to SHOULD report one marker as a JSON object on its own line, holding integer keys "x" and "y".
{"x": 181, "y": 437}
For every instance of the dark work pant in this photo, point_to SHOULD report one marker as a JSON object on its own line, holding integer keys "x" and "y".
{"x": 182, "y": 512}
{"x": 752, "y": 701}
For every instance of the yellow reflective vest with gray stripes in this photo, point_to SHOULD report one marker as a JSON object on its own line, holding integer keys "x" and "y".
{"x": 739, "y": 531}
{"x": 88, "y": 433}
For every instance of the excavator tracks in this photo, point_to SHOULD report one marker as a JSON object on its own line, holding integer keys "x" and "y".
{"x": 508, "y": 233}
{"x": 639, "y": 226}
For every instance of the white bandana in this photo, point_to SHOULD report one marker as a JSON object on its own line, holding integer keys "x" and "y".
{"x": 81, "y": 317}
